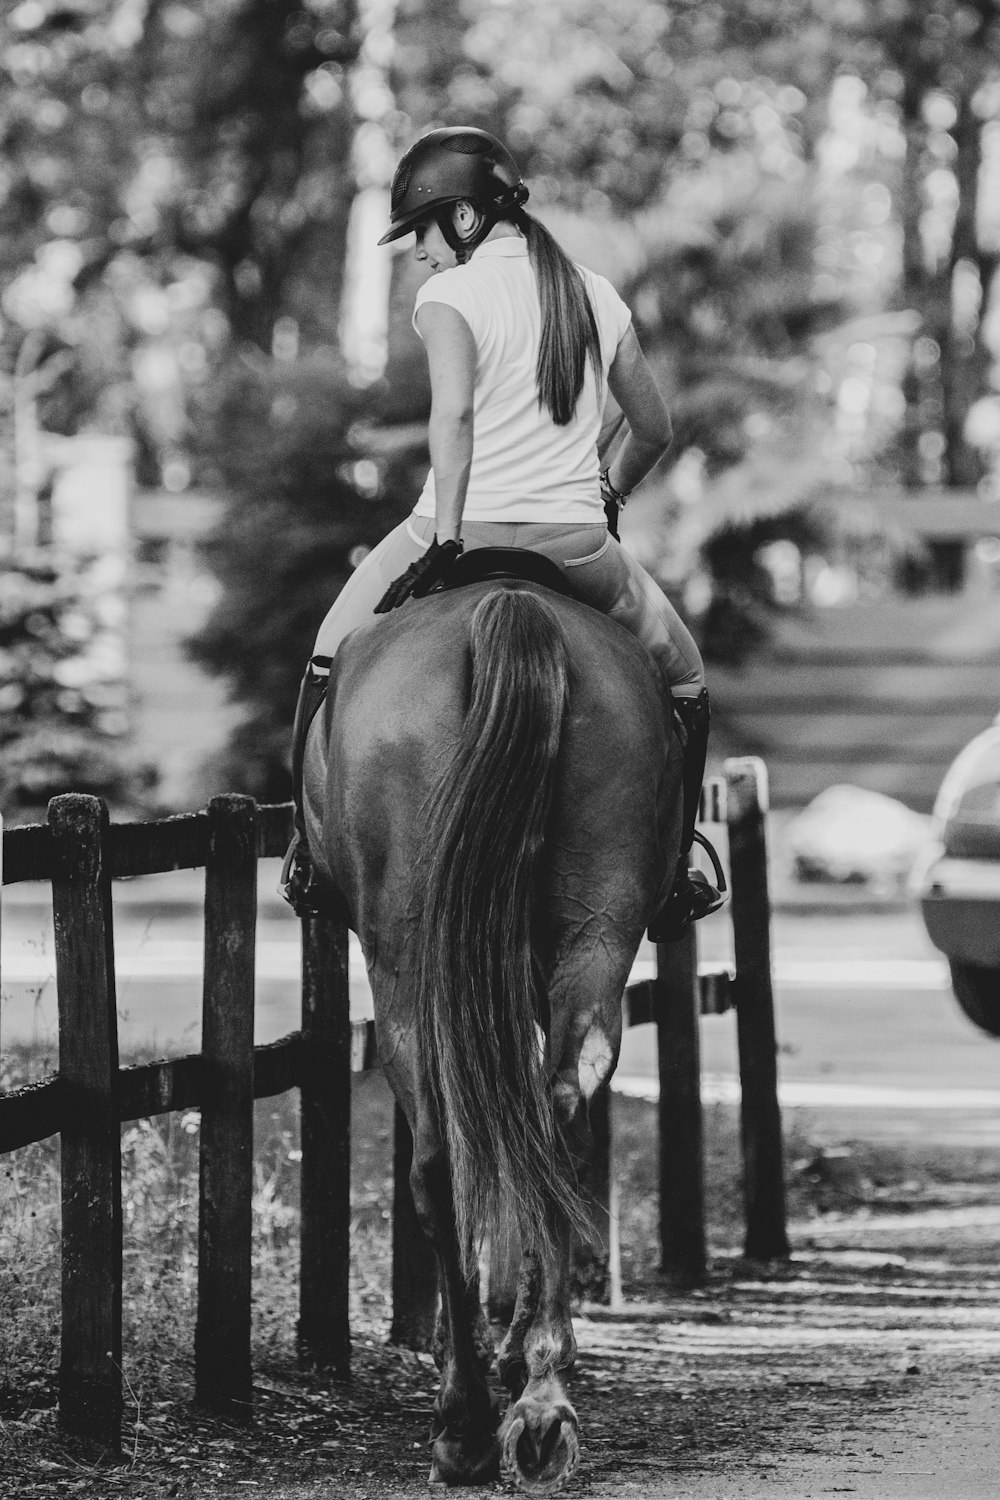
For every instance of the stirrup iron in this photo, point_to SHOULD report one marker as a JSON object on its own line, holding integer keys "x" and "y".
{"x": 720, "y": 874}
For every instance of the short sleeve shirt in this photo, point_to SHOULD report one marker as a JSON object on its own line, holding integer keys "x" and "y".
{"x": 524, "y": 467}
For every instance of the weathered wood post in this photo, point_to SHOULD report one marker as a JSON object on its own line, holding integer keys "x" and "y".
{"x": 677, "y": 1003}
{"x": 324, "y": 1335}
{"x": 223, "y": 1380}
{"x": 763, "y": 1166}
{"x": 1, "y": 886}
{"x": 90, "y": 1393}
{"x": 414, "y": 1264}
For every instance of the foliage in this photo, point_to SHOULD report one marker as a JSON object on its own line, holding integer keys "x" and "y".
{"x": 892, "y": 103}
{"x": 723, "y": 298}
{"x": 62, "y": 705}
{"x": 303, "y": 500}
{"x": 930, "y": 78}
{"x": 174, "y": 174}
{"x": 606, "y": 107}
{"x": 178, "y": 180}
{"x": 176, "y": 190}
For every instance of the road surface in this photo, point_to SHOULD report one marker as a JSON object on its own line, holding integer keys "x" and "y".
{"x": 865, "y": 1017}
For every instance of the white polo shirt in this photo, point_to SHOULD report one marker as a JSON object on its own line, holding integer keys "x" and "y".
{"x": 524, "y": 467}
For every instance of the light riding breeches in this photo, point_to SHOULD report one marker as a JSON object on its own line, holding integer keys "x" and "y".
{"x": 600, "y": 570}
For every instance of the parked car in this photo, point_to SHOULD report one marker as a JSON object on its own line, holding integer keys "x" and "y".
{"x": 958, "y": 881}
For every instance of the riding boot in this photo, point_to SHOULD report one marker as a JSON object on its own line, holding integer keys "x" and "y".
{"x": 299, "y": 883}
{"x": 692, "y": 895}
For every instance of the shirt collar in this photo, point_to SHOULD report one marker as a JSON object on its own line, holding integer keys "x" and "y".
{"x": 506, "y": 245}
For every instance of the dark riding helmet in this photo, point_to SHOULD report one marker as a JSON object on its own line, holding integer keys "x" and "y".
{"x": 448, "y": 166}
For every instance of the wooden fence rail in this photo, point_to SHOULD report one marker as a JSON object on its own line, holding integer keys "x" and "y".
{"x": 80, "y": 853}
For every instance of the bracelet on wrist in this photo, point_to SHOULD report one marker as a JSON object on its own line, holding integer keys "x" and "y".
{"x": 609, "y": 491}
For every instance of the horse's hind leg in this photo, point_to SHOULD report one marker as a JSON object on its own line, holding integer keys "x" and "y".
{"x": 541, "y": 1447}
{"x": 465, "y": 1447}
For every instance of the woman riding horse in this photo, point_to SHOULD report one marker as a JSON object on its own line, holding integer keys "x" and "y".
{"x": 522, "y": 346}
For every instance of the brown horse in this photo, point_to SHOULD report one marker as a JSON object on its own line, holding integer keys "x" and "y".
{"x": 494, "y": 791}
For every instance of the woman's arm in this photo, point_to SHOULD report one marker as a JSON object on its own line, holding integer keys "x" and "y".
{"x": 650, "y": 433}
{"x": 451, "y": 358}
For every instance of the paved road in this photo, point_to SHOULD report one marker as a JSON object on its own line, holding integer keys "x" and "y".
{"x": 866, "y": 1020}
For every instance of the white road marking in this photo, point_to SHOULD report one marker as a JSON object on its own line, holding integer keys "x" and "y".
{"x": 169, "y": 960}
{"x": 719, "y": 1088}
{"x": 843, "y": 973}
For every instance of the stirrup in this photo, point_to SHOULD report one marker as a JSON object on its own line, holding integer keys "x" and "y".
{"x": 720, "y": 874}
{"x": 299, "y": 886}
{"x": 692, "y": 897}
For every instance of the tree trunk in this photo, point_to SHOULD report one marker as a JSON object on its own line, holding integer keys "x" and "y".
{"x": 281, "y": 151}
{"x": 965, "y": 360}
{"x": 913, "y": 281}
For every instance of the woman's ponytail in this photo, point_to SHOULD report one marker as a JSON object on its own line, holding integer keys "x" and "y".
{"x": 569, "y": 328}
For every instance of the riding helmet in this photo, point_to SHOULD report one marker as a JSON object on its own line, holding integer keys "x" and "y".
{"x": 449, "y": 165}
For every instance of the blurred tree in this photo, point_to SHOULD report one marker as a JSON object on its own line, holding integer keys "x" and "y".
{"x": 306, "y": 504}
{"x": 173, "y": 166}
{"x": 673, "y": 147}
{"x": 727, "y": 308}
{"x": 255, "y": 98}
{"x": 61, "y": 719}
{"x": 178, "y": 185}
{"x": 936, "y": 68}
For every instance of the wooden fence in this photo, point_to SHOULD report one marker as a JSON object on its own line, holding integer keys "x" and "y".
{"x": 80, "y": 852}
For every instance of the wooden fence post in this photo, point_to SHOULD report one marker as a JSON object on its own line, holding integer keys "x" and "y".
{"x": 1, "y": 890}
{"x": 414, "y": 1264}
{"x": 763, "y": 1168}
{"x": 324, "y": 1335}
{"x": 682, "y": 1171}
{"x": 90, "y": 1394}
{"x": 223, "y": 1379}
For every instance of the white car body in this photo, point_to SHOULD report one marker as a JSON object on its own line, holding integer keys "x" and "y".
{"x": 957, "y": 882}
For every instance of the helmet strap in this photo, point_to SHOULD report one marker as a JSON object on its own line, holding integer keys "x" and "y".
{"x": 509, "y": 206}
{"x": 463, "y": 246}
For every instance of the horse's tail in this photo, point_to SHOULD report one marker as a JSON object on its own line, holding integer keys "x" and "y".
{"x": 480, "y": 999}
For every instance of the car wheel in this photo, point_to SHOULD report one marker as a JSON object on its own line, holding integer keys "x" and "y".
{"x": 977, "y": 991}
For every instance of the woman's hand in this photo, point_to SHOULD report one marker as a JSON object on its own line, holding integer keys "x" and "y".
{"x": 422, "y": 576}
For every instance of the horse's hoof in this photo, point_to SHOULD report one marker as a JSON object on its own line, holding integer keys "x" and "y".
{"x": 460, "y": 1461}
{"x": 543, "y": 1457}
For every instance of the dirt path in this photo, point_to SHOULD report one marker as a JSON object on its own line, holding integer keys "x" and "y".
{"x": 869, "y": 1366}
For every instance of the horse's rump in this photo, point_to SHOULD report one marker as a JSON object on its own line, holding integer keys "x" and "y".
{"x": 500, "y": 822}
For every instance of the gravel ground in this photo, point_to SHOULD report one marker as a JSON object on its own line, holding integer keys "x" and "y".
{"x": 867, "y": 1365}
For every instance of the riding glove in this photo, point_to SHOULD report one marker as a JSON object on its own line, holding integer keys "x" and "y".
{"x": 422, "y": 576}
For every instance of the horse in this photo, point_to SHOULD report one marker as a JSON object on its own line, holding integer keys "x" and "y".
{"x": 492, "y": 790}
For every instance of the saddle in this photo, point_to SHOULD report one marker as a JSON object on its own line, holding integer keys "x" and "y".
{"x": 483, "y": 564}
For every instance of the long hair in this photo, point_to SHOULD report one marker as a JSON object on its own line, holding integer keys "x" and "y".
{"x": 569, "y": 329}
{"x": 479, "y": 995}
